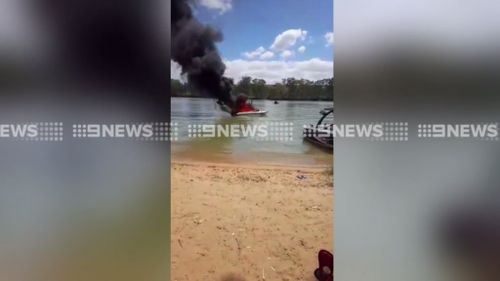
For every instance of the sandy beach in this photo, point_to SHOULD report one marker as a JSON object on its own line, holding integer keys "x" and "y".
{"x": 249, "y": 222}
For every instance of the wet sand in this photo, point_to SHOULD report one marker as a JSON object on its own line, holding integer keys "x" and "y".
{"x": 254, "y": 222}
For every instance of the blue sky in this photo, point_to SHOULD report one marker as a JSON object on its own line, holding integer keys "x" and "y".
{"x": 272, "y": 39}
{"x": 250, "y": 24}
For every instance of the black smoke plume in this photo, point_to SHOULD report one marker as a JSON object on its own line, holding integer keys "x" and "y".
{"x": 194, "y": 49}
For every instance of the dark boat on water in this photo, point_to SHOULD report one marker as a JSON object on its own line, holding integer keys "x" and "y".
{"x": 321, "y": 134}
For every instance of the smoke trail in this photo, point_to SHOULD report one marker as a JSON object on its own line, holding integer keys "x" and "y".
{"x": 193, "y": 47}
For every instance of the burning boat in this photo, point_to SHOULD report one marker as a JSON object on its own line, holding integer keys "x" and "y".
{"x": 241, "y": 107}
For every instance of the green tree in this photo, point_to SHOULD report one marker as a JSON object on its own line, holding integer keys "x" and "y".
{"x": 255, "y": 88}
{"x": 259, "y": 89}
{"x": 244, "y": 86}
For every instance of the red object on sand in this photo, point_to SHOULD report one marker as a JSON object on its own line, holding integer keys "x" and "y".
{"x": 325, "y": 270}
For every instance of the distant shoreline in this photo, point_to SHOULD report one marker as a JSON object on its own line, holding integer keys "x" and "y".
{"x": 254, "y": 88}
{"x": 202, "y": 97}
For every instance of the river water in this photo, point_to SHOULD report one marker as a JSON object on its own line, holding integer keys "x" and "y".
{"x": 250, "y": 150}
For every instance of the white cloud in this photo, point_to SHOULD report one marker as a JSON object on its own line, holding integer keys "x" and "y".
{"x": 286, "y": 54}
{"x": 266, "y": 55}
{"x": 259, "y": 53}
{"x": 288, "y": 39}
{"x": 274, "y": 71}
{"x": 329, "y": 39}
{"x": 220, "y": 5}
{"x": 281, "y": 46}
{"x": 255, "y": 54}
{"x": 175, "y": 71}
{"x": 271, "y": 71}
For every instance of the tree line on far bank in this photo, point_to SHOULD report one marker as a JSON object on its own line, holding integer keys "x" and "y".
{"x": 288, "y": 89}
